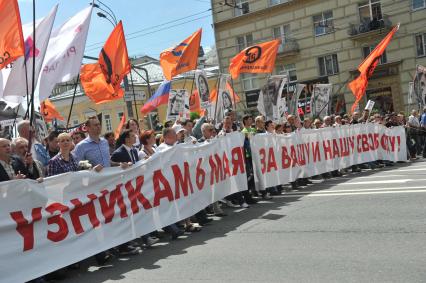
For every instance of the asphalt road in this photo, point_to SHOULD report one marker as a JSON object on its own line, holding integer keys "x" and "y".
{"x": 364, "y": 227}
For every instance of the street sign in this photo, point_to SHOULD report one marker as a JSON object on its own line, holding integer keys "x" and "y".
{"x": 139, "y": 95}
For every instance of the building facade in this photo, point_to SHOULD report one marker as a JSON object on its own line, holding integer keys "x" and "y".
{"x": 324, "y": 41}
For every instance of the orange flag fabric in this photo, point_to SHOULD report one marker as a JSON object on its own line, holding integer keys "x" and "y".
{"x": 182, "y": 58}
{"x": 49, "y": 112}
{"x": 120, "y": 127}
{"x": 195, "y": 103}
{"x": 258, "y": 58}
{"x": 367, "y": 67}
{"x": 11, "y": 37}
{"x": 101, "y": 81}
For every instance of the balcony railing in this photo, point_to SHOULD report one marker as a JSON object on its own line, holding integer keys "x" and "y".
{"x": 288, "y": 47}
{"x": 367, "y": 27}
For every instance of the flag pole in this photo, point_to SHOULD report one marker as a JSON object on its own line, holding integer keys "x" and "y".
{"x": 192, "y": 86}
{"x": 233, "y": 94}
{"x": 134, "y": 95}
{"x": 217, "y": 97}
{"x": 72, "y": 101}
{"x": 31, "y": 113}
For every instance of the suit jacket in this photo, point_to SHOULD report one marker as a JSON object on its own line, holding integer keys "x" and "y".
{"x": 3, "y": 174}
{"x": 122, "y": 155}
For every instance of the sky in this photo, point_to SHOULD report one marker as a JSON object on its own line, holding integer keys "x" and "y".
{"x": 139, "y": 18}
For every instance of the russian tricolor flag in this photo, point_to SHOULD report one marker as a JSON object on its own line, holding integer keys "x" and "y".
{"x": 160, "y": 97}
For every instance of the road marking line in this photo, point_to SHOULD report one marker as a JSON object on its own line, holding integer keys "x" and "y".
{"x": 359, "y": 193}
{"x": 409, "y": 170}
{"x": 356, "y": 190}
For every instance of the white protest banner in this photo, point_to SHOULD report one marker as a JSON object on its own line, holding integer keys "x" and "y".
{"x": 292, "y": 102}
{"x": 64, "y": 52}
{"x": 178, "y": 105}
{"x": 320, "y": 99}
{"x": 370, "y": 105}
{"x": 202, "y": 88}
{"x": 420, "y": 85}
{"x": 280, "y": 159}
{"x": 410, "y": 92}
{"x": 224, "y": 98}
{"x": 49, "y": 225}
{"x": 10, "y": 122}
{"x": 271, "y": 104}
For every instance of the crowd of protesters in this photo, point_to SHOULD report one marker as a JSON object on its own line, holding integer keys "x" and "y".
{"x": 68, "y": 152}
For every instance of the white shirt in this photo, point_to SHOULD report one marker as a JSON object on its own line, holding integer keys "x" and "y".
{"x": 413, "y": 121}
{"x": 163, "y": 147}
{"x": 143, "y": 155}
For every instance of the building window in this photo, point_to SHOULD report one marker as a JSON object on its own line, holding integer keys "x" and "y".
{"x": 120, "y": 115}
{"x": 323, "y": 23}
{"x": 75, "y": 122}
{"x": 291, "y": 69}
{"x": 421, "y": 45}
{"x": 282, "y": 32}
{"x": 418, "y": 4}
{"x": 366, "y": 50}
{"x": 328, "y": 65}
{"x": 107, "y": 119}
{"x": 241, "y": 7}
{"x": 276, "y": 2}
{"x": 249, "y": 81}
{"x": 244, "y": 41}
{"x": 370, "y": 11}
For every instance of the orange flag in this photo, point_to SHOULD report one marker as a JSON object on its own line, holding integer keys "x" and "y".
{"x": 101, "y": 81}
{"x": 182, "y": 58}
{"x": 49, "y": 112}
{"x": 120, "y": 126}
{"x": 195, "y": 103}
{"x": 11, "y": 38}
{"x": 258, "y": 58}
{"x": 367, "y": 67}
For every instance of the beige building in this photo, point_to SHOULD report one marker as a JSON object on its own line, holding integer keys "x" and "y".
{"x": 324, "y": 41}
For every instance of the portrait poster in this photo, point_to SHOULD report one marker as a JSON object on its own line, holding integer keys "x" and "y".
{"x": 202, "y": 85}
{"x": 178, "y": 105}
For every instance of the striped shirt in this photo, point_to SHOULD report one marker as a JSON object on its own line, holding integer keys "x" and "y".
{"x": 58, "y": 165}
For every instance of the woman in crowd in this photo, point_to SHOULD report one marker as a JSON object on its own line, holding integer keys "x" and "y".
{"x": 279, "y": 129}
{"x": 63, "y": 161}
{"x": 269, "y": 127}
{"x": 52, "y": 144}
{"x": 133, "y": 126}
{"x": 148, "y": 142}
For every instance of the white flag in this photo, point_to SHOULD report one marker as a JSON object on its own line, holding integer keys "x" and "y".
{"x": 15, "y": 82}
{"x": 64, "y": 53}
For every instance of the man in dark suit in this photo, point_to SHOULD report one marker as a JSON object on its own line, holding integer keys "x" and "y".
{"x": 7, "y": 172}
{"x": 125, "y": 152}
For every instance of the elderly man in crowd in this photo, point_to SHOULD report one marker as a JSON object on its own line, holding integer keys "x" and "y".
{"x": 38, "y": 150}
{"x": 7, "y": 172}
{"x": 23, "y": 160}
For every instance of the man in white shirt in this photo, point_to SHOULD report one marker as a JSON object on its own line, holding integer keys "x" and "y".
{"x": 413, "y": 130}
